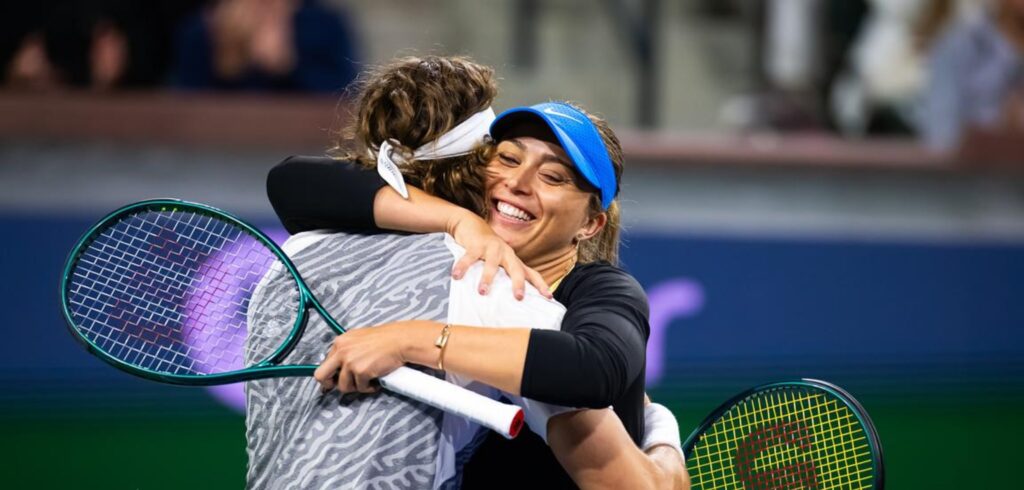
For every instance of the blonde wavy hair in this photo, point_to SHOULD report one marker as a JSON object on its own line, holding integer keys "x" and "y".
{"x": 605, "y": 244}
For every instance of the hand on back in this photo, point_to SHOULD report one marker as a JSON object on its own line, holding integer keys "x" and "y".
{"x": 481, "y": 243}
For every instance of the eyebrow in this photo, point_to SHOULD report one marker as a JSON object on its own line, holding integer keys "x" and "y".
{"x": 549, "y": 157}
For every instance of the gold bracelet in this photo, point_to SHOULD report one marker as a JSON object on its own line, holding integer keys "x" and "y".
{"x": 442, "y": 343}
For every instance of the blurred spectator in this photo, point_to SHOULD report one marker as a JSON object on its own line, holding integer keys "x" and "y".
{"x": 792, "y": 43}
{"x": 882, "y": 81}
{"x": 977, "y": 77}
{"x": 278, "y": 45}
{"x": 97, "y": 44}
{"x": 22, "y": 47}
{"x": 802, "y": 46}
{"x": 791, "y": 63}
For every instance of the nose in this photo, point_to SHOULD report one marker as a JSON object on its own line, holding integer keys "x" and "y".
{"x": 518, "y": 180}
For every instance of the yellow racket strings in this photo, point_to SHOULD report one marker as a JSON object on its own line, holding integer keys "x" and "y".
{"x": 784, "y": 438}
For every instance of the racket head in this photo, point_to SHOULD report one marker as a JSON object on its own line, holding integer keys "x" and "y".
{"x": 794, "y": 434}
{"x": 161, "y": 289}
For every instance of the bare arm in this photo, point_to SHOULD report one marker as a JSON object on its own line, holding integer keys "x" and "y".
{"x": 310, "y": 193}
{"x": 602, "y": 341}
{"x": 672, "y": 467}
{"x": 423, "y": 213}
{"x": 494, "y": 356}
{"x": 596, "y": 451}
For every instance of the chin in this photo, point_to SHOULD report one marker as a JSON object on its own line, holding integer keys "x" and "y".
{"x": 511, "y": 237}
{"x": 508, "y": 236}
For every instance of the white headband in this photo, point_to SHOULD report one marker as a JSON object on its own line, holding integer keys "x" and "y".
{"x": 460, "y": 140}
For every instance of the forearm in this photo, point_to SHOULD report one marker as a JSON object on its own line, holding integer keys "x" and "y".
{"x": 596, "y": 451}
{"x": 669, "y": 468}
{"x": 499, "y": 357}
{"x": 421, "y": 213}
{"x": 662, "y": 445}
{"x": 493, "y": 356}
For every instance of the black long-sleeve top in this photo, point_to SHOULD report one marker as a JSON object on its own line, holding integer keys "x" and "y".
{"x": 596, "y": 360}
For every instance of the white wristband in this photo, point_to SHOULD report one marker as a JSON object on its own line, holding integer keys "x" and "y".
{"x": 660, "y": 427}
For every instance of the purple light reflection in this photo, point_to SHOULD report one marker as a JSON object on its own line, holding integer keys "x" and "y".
{"x": 233, "y": 395}
{"x": 214, "y": 323}
{"x": 675, "y": 298}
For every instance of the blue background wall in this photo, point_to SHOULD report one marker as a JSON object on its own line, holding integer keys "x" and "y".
{"x": 927, "y": 334}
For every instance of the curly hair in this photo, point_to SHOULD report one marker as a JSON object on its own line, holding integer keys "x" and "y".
{"x": 412, "y": 101}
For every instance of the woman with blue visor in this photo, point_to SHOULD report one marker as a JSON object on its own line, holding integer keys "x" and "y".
{"x": 551, "y": 176}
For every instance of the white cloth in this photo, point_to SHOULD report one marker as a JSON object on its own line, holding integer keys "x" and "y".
{"x": 661, "y": 427}
{"x": 466, "y": 306}
{"x": 460, "y": 140}
{"x": 498, "y": 308}
{"x": 297, "y": 242}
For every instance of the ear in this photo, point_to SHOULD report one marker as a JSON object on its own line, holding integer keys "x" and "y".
{"x": 592, "y": 227}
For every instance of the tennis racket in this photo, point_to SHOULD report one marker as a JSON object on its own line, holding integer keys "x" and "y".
{"x": 800, "y": 434}
{"x": 162, "y": 288}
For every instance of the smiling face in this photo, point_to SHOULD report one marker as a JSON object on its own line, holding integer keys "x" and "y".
{"x": 536, "y": 203}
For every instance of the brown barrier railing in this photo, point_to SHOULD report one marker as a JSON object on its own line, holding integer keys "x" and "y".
{"x": 201, "y": 120}
{"x": 308, "y": 124}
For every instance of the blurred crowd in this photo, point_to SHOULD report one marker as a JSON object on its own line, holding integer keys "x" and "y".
{"x": 946, "y": 71}
{"x": 266, "y": 45}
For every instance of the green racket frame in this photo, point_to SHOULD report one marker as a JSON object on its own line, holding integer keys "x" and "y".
{"x": 263, "y": 369}
{"x": 878, "y": 465}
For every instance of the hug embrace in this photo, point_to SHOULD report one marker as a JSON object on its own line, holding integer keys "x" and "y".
{"x": 479, "y": 248}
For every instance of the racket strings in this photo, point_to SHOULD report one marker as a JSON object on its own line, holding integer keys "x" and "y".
{"x": 784, "y": 438}
{"x": 169, "y": 292}
{"x": 785, "y": 451}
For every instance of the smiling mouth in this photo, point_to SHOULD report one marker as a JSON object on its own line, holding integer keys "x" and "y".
{"x": 512, "y": 212}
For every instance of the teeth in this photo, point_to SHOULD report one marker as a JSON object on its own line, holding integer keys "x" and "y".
{"x": 512, "y": 211}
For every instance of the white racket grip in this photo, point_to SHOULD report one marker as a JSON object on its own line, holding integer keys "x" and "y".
{"x": 503, "y": 418}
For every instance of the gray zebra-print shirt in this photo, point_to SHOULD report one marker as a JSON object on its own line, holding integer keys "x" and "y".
{"x": 299, "y": 438}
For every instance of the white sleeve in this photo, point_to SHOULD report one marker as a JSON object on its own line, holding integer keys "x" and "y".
{"x": 537, "y": 414}
{"x": 660, "y": 427}
{"x": 500, "y": 309}
{"x": 299, "y": 241}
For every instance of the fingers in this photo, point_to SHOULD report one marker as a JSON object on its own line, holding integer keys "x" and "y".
{"x": 365, "y": 383}
{"x": 520, "y": 273}
{"x": 334, "y": 371}
{"x": 517, "y": 273}
{"x": 346, "y": 380}
{"x": 460, "y": 267}
{"x": 492, "y": 260}
{"x": 326, "y": 373}
{"x": 538, "y": 282}
{"x": 501, "y": 255}
{"x": 352, "y": 365}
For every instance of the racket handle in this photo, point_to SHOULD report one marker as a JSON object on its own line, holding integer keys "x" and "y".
{"x": 503, "y": 418}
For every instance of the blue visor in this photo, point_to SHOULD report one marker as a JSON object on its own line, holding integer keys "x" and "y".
{"x": 577, "y": 136}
